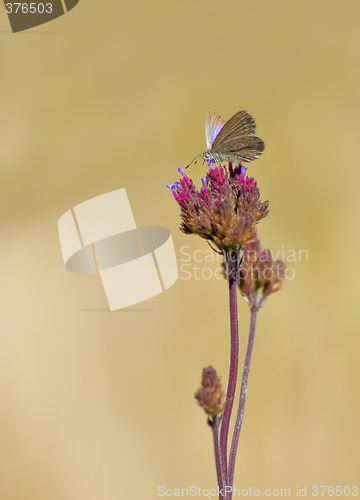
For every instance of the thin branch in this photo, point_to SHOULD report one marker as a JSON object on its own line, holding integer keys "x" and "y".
{"x": 244, "y": 384}
{"x": 215, "y": 424}
{"x": 234, "y": 361}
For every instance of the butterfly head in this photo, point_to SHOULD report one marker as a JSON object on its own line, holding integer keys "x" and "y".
{"x": 206, "y": 156}
{"x": 212, "y": 157}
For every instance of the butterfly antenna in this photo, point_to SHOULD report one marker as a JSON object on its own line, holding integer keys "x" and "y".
{"x": 192, "y": 161}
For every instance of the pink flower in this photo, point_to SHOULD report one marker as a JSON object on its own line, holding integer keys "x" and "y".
{"x": 224, "y": 210}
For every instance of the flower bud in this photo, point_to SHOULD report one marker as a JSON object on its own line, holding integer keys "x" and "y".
{"x": 210, "y": 395}
{"x": 259, "y": 274}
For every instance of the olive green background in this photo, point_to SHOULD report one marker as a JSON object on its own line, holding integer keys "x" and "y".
{"x": 98, "y": 405}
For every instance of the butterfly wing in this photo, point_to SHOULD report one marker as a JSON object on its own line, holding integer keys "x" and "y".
{"x": 246, "y": 148}
{"x": 237, "y": 139}
{"x": 213, "y": 125}
{"x": 242, "y": 123}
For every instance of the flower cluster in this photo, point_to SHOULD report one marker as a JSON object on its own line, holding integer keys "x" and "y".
{"x": 226, "y": 208}
{"x": 211, "y": 396}
{"x": 259, "y": 274}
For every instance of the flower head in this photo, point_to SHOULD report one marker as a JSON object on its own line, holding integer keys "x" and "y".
{"x": 210, "y": 395}
{"x": 224, "y": 210}
{"x": 259, "y": 274}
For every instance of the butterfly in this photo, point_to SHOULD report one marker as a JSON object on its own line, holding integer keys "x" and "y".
{"x": 233, "y": 140}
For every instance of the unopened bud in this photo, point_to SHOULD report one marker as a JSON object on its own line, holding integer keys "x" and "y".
{"x": 210, "y": 395}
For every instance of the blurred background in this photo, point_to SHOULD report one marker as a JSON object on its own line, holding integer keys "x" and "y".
{"x": 98, "y": 404}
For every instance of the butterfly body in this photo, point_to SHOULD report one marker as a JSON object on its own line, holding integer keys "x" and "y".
{"x": 233, "y": 140}
{"x": 216, "y": 157}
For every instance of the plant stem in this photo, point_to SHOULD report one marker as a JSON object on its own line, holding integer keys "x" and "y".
{"x": 215, "y": 432}
{"x": 244, "y": 384}
{"x": 233, "y": 369}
